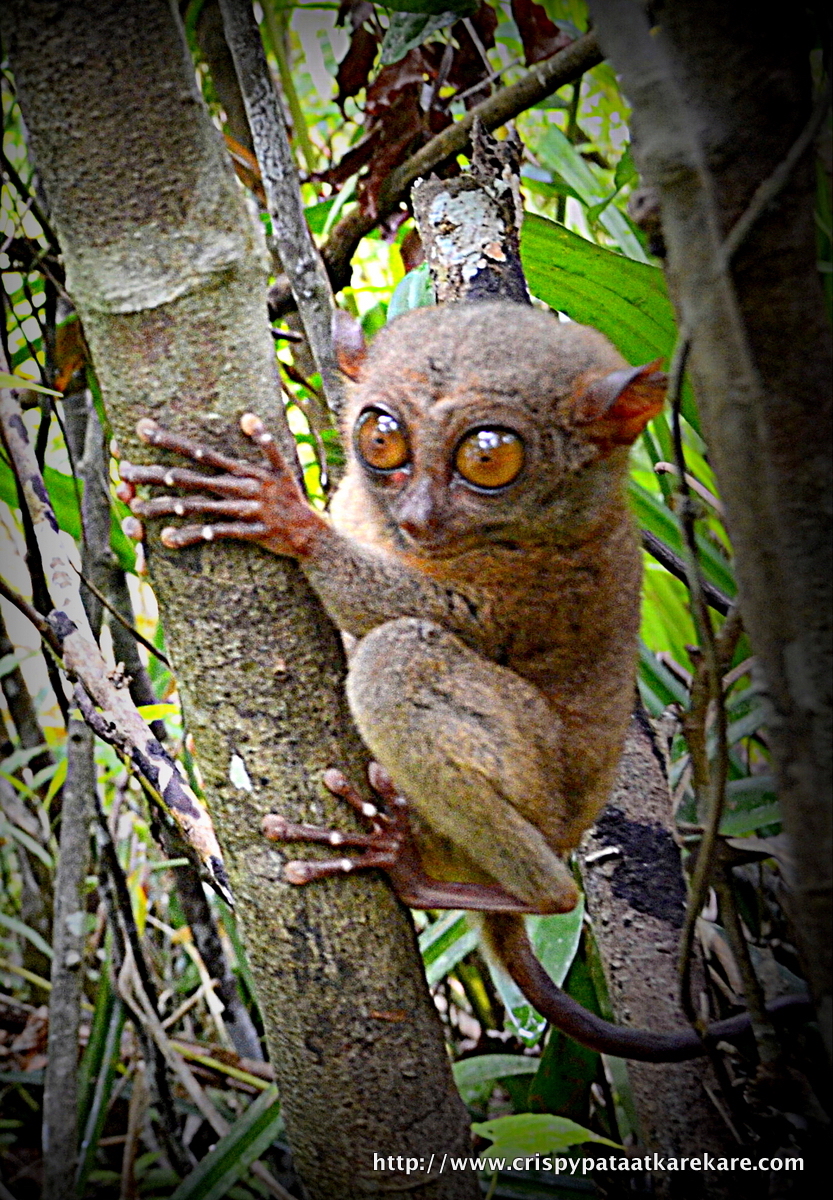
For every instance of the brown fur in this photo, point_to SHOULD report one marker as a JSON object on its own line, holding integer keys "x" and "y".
{"x": 546, "y": 575}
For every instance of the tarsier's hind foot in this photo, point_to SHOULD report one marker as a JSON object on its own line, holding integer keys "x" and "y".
{"x": 389, "y": 846}
{"x": 381, "y": 847}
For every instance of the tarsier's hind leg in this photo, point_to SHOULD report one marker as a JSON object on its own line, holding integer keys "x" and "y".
{"x": 476, "y": 750}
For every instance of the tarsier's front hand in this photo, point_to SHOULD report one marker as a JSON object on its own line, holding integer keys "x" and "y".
{"x": 263, "y": 504}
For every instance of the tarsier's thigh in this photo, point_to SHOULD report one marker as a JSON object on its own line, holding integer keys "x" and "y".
{"x": 474, "y": 747}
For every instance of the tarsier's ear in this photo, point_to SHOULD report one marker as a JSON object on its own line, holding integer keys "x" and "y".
{"x": 616, "y": 408}
{"x": 349, "y": 343}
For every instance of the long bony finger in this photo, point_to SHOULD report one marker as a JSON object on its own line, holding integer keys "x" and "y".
{"x": 254, "y": 428}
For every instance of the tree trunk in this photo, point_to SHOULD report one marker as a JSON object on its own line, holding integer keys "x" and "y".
{"x": 167, "y": 273}
{"x": 760, "y": 364}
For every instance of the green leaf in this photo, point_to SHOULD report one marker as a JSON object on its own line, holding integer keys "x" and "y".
{"x": 558, "y": 153}
{"x": 249, "y": 1137}
{"x": 475, "y": 1077}
{"x": 61, "y": 489}
{"x": 96, "y": 1085}
{"x": 414, "y": 290}
{"x": 746, "y": 726}
{"x": 409, "y": 29}
{"x": 566, "y": 1070}
{"x": 741, "y": 824}
{"x": 535, "y": 1133}
{"x": 658, "y": 519}
{"x": 595, "y": 211}
{"x": 667, "y": 623}
{"x": 624, "y": 299}
{"x": 445, "y": 943}
{"x": 13, "y": 832}
{"x": 65, "y": 492}
{"x": 625, "y": 172}
{"x": 555, "y": 940}
{"x": 317, "y": 214}
{"x": 26, "y": 931}
{"x": 752, "y": 804}
{"x": 657, "y": 686}
{"x": 20, "y": 381}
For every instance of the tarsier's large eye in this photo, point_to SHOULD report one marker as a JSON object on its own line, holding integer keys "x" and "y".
{"x": 381, "y": 441}
{"x": 490, "y": 458}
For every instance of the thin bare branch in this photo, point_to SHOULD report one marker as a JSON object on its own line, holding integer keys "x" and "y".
{"x": 299, "y": 254}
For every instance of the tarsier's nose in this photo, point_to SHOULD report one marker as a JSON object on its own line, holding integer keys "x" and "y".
{"x": 419, "y": 513}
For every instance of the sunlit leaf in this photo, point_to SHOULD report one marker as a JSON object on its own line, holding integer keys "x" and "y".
{"x": 535, "y": 1133}
{"x": 20, "y": 381}
{"x": 556, "y": 151}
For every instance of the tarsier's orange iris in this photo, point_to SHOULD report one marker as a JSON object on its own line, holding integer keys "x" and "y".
{"x": 381, "y": 440}
{"x": 490, "y": 458}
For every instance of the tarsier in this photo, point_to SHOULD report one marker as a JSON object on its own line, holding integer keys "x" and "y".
{"x": 481, "y": 550}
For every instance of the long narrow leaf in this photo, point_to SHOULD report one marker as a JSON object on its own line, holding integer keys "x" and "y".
{"x": 249, "y": 1137}
{"x": 558, "y": 153}
{"x": 25, "y": 931}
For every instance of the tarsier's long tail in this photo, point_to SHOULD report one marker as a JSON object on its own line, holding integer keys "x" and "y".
{"x": 508, "y": 940}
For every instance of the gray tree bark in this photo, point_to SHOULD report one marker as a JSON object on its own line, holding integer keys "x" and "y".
{"x": 168, "y": 276}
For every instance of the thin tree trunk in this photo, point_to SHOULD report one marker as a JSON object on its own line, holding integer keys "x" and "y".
{"x": 167, "y": 273}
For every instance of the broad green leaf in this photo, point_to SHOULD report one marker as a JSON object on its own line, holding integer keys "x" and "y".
{"x": 667, "y": 623}
{"x": 626, "y": 300}
{"x": 62, "y": 493}
{"x": 566, "y": 1070}
{"x": 249, "y": 1137}
{"x": 65, "y": 494}
{"x": 526, "y": 1023}
{"x": 489, "y": 1067}
{"x": 535, "y": 1133}
{"x": 475, "y": 1077}
{"x": 409, "y": 29}
{"x": 558, "y": 153}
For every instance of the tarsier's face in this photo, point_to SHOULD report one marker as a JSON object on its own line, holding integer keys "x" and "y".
{"x": 443, "y": 472}
{"x": 462, "y": 426}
